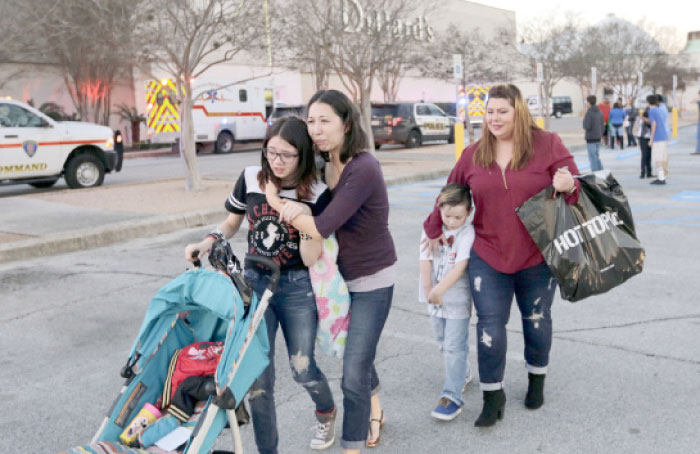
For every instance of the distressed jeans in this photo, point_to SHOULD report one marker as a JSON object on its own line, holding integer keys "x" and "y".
{"x": 452, "y": 336}
{"x": 594, "y": 155}
{"x": 360, "y": 381}
{"x": 493, "y": 292}
{"x": 293, "y": 308}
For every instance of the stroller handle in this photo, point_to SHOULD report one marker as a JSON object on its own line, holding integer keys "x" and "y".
{"x": 270, "y": 265}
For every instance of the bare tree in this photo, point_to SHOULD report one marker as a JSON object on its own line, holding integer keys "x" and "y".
{"x": 629, "y": 50}
{"x": 187, "y": 39}
{"x": 485, "y": 60}
{"x": 12, "y": 41}
{"x": 588, "y": 50}
{"x": 548, "y": 41}
{"x": 359, "y": 37}
{"x": 305, "y": 40}
{"x": 90, "y": 40}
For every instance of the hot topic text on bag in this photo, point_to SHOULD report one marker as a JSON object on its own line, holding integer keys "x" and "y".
{"x": 592, "y": 228}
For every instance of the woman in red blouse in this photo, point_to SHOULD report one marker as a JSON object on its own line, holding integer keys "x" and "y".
{"x": 512, "y": 162}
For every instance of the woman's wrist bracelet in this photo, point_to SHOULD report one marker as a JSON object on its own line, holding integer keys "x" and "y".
{"x": 216, "y": 235}
{"x": 304, "y": 236}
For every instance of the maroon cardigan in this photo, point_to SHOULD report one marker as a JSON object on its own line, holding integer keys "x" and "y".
{"x": 501, "y": 239}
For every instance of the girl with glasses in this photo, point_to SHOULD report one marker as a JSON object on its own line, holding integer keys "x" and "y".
{"x": 287, "y": 163}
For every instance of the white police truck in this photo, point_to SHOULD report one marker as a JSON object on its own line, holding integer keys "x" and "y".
{"x": 36, "y": 150}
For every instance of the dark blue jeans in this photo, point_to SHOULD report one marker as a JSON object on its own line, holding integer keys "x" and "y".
{"x": 493, "y": 292}
{"x": 360, "y": 381}
{"x": 292, "y": 307}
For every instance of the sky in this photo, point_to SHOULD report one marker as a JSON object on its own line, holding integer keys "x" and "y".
{"x": 682, "y": 14}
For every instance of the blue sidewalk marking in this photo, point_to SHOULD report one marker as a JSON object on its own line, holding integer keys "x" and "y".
{"x": 629, "y": 154}
{"x": 687, "y": 196}
{"x": 582, "y": 163}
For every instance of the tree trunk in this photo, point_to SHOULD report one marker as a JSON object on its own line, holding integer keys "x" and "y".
{"x": 188, "y": 152}
{"x": 135, "y": 132}
{"x": 366, "y": 114}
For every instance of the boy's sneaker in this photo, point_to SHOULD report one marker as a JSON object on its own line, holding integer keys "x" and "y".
{"x": 446, "y": 410}
{"x": 466, "y": 382}
{"x": 325, "y": 430}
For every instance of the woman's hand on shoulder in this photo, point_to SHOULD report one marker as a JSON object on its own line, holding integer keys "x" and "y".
{"x": 433, "y": 244}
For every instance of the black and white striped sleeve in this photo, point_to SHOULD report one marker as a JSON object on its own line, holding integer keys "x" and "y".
{"x": 236, "y": 202}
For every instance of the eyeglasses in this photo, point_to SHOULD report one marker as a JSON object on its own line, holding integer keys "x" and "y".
{"x": 271, "y": 155}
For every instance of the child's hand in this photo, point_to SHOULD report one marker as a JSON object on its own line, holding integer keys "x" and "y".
{"x": 435, "y": 297}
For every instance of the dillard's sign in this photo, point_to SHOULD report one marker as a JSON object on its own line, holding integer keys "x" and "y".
{"x": 358, "y": 19}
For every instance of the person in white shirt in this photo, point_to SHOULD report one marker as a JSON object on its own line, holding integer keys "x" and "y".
{"x": 444, "y": 286}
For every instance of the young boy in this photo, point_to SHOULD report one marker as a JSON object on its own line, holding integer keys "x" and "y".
{"x": 445, "y": 288}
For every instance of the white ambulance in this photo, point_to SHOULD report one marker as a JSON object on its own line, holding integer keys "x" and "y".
{"x": 221, "y": 116}
{"x": 37, "y": 150}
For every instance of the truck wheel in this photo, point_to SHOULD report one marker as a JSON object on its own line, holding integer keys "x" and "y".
{"x": 451, "y": 137}
{"x": 44, "y": 184}
{"x": 377, "y": 145}
{"x": 557, "y": 114}
{"x": 84, "y": 171}
{"x": 414, "y": 139}
{"x": 224, "y": 142}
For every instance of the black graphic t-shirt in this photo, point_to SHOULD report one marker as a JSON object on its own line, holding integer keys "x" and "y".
{"x": 267, "y": 235}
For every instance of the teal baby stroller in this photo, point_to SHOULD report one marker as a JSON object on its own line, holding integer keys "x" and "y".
{"x": 200, "y": 305}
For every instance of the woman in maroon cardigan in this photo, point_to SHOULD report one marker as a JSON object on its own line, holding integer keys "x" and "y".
{"x": 512, "y": 162}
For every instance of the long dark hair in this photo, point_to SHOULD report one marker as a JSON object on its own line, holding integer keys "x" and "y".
{"x": 293, "y": 131}
{"x": 355, "y": 138}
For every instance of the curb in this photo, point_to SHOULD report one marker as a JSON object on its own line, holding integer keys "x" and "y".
{"x": 128, "y": 230}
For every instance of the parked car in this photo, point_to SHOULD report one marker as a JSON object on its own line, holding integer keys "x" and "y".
{"x": 450, "y": 108}
{"x": 558, "y": 106}
{"x": 410, "y": 123}
{"x": 286, "y": 111}
{"x": 38, "y": 150}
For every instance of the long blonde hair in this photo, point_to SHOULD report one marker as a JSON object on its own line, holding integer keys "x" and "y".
{"x": 523, "y": 125}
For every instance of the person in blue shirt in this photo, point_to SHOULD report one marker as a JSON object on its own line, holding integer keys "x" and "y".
{"x": 697, "y": 134}
{"x": 659, "y": 138}
{"x": 616, "y": 120}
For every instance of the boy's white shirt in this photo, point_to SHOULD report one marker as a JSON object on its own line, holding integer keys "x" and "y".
{"x": 457, "y": 299}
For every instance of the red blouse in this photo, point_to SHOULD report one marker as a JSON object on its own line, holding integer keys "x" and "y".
{"x": 501, "y": 239}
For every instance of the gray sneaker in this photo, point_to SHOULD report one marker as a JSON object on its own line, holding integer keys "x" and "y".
{"x": 325, "y": 430}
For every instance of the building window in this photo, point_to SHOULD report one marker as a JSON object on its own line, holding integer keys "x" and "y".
{"x": 242, "y": 95}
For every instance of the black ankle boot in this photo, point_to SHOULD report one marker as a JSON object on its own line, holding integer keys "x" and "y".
{"x": 494, "y": 406}
{"x": 535, "y": 391}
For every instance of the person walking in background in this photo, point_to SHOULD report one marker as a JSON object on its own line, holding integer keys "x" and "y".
{"x": 663, "y": 110}
{"x": 593, "y": 125}
{"x": 632, "y": 115}
{"x": 659, "y": 138}
{"x": 616, "y": 120}
{"x": 697, "y": 134}
{"x": 605, "y": 109}
{"x": 643, "y": 131}
{"x": 444, "y": 287}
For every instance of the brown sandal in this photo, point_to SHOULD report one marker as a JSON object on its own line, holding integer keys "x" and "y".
{"x": 371, "y": 443}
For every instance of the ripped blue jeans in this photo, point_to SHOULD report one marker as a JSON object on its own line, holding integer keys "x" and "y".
{"x": 293, "y": 308}
{"x": 493, "y": 293}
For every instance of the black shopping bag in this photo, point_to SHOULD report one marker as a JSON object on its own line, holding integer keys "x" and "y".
{"x": 590, "y": 246}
